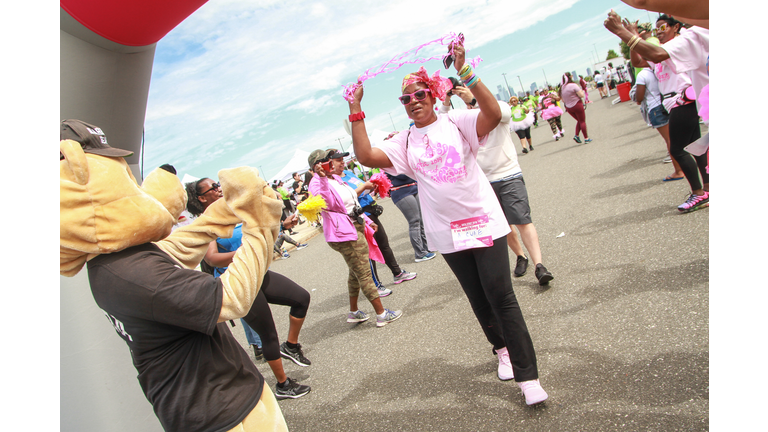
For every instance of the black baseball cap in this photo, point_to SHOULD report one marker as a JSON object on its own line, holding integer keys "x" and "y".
{"x": 335, "y": 154}
{"x": 91, "y": 138}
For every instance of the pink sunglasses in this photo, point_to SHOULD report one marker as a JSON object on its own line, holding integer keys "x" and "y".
{"x": 418, "y": 95}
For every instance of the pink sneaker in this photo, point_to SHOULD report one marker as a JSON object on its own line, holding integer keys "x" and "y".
{"x": 533, "y": 392}
{"x": 505, "y": 366}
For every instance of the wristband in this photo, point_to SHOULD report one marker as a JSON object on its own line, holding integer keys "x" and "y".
{"x": 357, "y": 116}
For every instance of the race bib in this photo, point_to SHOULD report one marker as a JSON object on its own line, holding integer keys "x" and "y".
{"x": 471, "y": 233}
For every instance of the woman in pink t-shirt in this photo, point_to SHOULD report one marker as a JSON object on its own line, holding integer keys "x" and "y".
{"x": 462, "y": 217}
{"x": 680, "y": 65}
{"x": 572, "y": 94}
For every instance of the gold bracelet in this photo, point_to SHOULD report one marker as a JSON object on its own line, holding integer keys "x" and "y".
{"x": 634, "y": 44}
{"x": 631, "y": 40}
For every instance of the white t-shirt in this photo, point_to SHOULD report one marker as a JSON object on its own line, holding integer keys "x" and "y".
{"x": 453, "y": 191}
{"x": 648, "y": 79}
{"x": 345, "y": 192}
{"x": 599, "y": 78}
{"x": 689, "y": 53}
{"x": 498, "y": 157}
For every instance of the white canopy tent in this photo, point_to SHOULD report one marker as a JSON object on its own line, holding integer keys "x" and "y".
{"x": 297, "y": 164}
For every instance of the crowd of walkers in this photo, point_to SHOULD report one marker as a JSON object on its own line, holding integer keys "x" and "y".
{"x": 457, "y": 188}
{"x": 457, "y": 180}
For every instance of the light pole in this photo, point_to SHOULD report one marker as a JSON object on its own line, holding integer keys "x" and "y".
{"x": 340, "y": 145}
{"x": 393, "y": 122}
{"x": 546, "y": 81}
{"x": 505, "y": 81}
{"x": 521, "y": 84}
{"x": 597, "y": 56}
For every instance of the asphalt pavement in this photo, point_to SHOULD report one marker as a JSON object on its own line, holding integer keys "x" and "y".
{"x": 621, "y": 333}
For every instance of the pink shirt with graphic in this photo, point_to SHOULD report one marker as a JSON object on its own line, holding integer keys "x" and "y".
{"x": 689, "y": 54}
{"x": 669, "y": 82}
{"x": 452, "y": 187}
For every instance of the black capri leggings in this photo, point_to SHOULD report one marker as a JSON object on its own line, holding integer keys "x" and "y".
{"x": 484, "y": 275}
{"x": 683, "y": 130}
{"x": 276, "y": 289}
{"x": 383, "y": 241}
{"x": 524, "y": 133}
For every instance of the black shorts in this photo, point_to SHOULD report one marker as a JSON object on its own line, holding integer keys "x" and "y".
{"x": 513, "y": 197}
{"x": 524, "y": 133}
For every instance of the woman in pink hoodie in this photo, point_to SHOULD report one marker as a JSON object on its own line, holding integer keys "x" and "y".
{"x": 344, "y": 226}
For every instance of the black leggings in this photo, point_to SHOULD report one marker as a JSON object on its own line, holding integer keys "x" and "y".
{"x": 383, "y": 241}
{"x": 484, "y": 275}
{"x": 276, "y": 289}
{"x": 524, "y": 133}
{"x": 683, "y": 130}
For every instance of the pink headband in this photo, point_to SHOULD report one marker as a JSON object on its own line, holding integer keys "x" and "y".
{"x": 437, "y": 84}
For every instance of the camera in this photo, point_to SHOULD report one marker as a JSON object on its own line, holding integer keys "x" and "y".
{"x": 356, "y": 215}
{"x": 456, "y": 83}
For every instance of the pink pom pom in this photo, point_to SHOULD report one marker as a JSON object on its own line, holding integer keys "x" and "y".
{"x": 382, "y": 184}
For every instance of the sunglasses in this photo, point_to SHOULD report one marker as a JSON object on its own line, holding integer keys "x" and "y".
{"x": 418, "y": 95}
{"x": 662, "y": 28}
{"x": 213, "y": 186}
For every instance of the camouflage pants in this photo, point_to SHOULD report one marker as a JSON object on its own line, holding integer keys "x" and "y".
{"x": 555, "y": 124}
{"x": 355, "y": 253}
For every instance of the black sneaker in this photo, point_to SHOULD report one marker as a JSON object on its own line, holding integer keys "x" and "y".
{"x": 290, "y": 390}
{"x": 522, "y": 265}
{"x": 525, "y": 150}
{"x": 530, "y": 147}
{"x": 294, "y": 354}
{"x": 543, "y": 275}
{"x": 257, "y": 352}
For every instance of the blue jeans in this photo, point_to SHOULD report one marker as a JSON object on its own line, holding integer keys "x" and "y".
{"x": 252, "y": 336}
{"x": 657, "y": 117}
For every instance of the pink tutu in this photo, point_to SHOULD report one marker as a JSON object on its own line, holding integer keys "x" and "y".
{"x": 551, "y": 112}
{"x": 523, "y": 124}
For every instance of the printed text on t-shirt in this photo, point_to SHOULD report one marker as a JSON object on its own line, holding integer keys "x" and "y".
{"x": 118, "y": 325}
{"x": 441, "y": 163}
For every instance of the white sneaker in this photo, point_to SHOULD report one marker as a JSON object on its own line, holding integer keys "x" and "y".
{"x": 383, "y": 292}
{"x": 356, "y": 317}
{"x": 388, "y": 317}
{"x": 505, "y": 366}
{"x": 533, "y": 392}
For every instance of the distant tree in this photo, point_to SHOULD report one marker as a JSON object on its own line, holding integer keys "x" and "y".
{"x": 611, "y": 54}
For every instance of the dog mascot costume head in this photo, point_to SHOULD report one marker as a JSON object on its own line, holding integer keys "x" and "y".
{"x": 172, "y": 317}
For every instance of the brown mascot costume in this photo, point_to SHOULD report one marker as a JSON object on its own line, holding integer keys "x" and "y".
{"x": 173, "y": 318}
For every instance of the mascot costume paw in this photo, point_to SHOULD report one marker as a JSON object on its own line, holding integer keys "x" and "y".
{"x": 173, "y": 318}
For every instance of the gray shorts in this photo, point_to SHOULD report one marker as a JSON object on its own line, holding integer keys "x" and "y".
{"x": 513, "y": 197}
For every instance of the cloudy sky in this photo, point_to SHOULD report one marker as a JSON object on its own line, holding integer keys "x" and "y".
{"x": 244, "y": 82}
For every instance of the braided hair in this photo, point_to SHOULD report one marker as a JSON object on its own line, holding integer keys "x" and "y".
{"x": 194, "y": 206}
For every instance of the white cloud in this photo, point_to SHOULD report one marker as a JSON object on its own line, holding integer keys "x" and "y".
{"x": 237, "y": 65}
